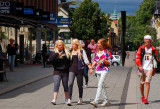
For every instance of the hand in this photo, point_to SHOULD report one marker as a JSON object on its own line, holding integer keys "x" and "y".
{"x": 91, "y": 71}
{"x": 101, "y": 61}
{"x": 60, "y": 54}
{"x": 141, "y": 69}
{"x": 154, "y": 72}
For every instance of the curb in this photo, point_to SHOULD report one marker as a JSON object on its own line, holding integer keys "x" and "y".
{"x": 125, "y": 89}
{"x": 6, "y": 90}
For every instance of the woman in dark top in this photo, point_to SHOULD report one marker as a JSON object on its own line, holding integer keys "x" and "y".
{"x": 61, "y": 62}
{"x": 88, "y": 52}
{"x": 11, "y": 50}
{"x": 78, "y": 60}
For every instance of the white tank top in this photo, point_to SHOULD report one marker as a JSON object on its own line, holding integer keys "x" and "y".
{"x": 147, "y": 62}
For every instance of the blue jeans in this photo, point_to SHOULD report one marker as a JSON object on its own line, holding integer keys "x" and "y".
{"x": 85, "y": 74}
{"x": 11, "y": 61}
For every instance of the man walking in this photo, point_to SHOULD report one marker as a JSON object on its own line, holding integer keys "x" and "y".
{"x": 146, "y": 61}
{"x": 93, "y": 48}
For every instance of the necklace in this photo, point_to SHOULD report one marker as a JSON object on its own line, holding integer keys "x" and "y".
{"x": 75, "y": 52}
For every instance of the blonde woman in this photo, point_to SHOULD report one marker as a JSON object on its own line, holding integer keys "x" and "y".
{"x": 78, "y": 61}
{"x": 60, "y": 58}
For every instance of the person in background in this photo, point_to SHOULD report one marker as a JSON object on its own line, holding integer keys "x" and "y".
{"x": 102, "y": 61}
{"x": 128, "y": 54}
{"x": 61, "y": 62}
{"x": 44, "y": 52}
{"x": 78, "y": 61}
{"x": 93, "y": 48}
{"x": 11, "y": 50}
{"x": 146, "y": 61}
{"x": 0, "y": 50}
{"x": 88, "y": 52}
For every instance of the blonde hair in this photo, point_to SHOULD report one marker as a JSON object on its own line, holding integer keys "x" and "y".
{"x": 105, "y": 45}
{"x": 76, "y": 41}
{"x": 65, "y": 48}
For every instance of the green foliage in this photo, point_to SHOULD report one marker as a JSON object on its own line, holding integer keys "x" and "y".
{"x": 138, "y": 26}
{"x": 145, "y": 12}
{"x": 130, "y": 28}
{"x": 87, "y": 21}
{"x": 2, "y": 34}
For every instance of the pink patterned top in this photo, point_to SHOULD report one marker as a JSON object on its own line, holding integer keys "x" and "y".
{"x": 103, "y": 66}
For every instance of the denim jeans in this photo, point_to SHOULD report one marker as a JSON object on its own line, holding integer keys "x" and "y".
{"x": 57, "y": 80}
{"x": 85, "y": 74}
{"x": 101, "y": 87}
{"x": 11, "y": 61}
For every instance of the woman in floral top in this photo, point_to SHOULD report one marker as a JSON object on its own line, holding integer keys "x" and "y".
{"x": 102, "y": 61}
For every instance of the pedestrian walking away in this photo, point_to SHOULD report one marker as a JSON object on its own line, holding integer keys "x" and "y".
{"x": 61, "y": 62}
{"x": 146, "y": 61}
{"x": 11, "y": 50}
{"x": 102, "y": 61}
{"x": 78, "y": 61}
{"x": 128, "y": 54}
{"x": 88, "y": 52}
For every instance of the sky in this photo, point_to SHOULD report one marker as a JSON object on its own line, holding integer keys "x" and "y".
{"x": 108, "y": 6}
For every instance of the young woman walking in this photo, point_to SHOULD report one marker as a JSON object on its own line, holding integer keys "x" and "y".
{"x": 102, "y": 61}
{"x": 61, "y": 62}
{"x": 78, "y": 61}
{"x": 88, "y": 52}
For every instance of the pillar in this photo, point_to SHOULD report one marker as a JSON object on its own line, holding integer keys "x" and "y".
{"x": 38, "y": 40}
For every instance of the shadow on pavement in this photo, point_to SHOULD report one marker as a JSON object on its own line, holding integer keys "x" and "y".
{"x": 156, "y": 101}
{"x": 94, "y": 87}
{"x": 30, "y": 88}
{"x": 128, "y": 103}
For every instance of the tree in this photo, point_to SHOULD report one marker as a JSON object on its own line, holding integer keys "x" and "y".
{"x": 145, "y": 12}
{"x": 2, "y": 34}
{"x": 143, "y": 19}
{"x": 87, "y": 21}
{"x": 138, "y": 26}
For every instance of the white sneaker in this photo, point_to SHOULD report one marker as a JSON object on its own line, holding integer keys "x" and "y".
{"x": 106, "y": 103}
{"x": 66, "y": 101}
{"x": 53, "y": 102}
{"x": 85, "y": 86}
{"x": 94, "y": 104}
{"x": 69, "y": 102}
{"x": 79, "y": 101}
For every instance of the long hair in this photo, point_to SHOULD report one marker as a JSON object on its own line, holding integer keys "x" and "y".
{"x": 105, "y": 45}
{"x": 65, "y": 48}
{"x": 76, "y": 41}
